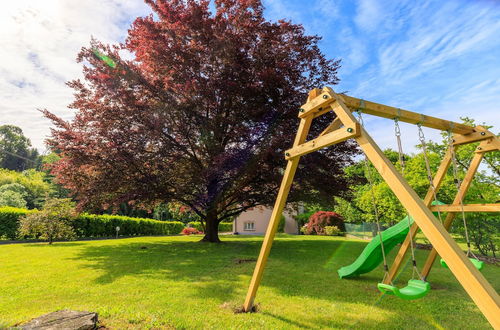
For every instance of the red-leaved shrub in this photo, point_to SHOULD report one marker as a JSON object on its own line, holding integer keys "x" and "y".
{"x": 319, "y": 220}
{"x": 190, "y": 231}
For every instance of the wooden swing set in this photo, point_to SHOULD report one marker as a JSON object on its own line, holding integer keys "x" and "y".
{"x": 345, "y": 126}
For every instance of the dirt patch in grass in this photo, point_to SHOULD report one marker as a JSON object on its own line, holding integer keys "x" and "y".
{"x": 242, "y": 261}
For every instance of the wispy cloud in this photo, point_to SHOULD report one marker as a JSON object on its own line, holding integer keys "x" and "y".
{"x": 429, "y": 56}
{"x": 369, "y": 15}
{"x": 436, "y": 57}
{"x": 40, "y": 40}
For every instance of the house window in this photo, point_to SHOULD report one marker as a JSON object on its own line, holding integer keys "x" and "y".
{"x": 249, "y": 226}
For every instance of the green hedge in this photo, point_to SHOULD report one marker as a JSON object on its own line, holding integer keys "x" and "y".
{"x": 92, "y": 225}
{"x": 223, "y": 226}
{"x": 9, "y": 221}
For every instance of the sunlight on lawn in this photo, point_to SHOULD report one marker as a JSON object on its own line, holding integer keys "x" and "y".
{"x": 177, "y": 282}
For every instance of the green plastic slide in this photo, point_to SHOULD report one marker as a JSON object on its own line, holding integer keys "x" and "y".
{"x": 371, "y": 256}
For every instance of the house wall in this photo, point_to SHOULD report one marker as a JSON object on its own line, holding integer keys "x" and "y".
{"x": 260, "y": 217}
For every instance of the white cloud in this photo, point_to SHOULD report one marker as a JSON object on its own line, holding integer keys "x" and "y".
{"x": 438, "y": 58}
{"x": 40, "y": 41}
{"x": 369, "y": 14}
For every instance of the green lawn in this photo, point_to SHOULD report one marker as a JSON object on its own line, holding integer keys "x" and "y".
{"x": 176, "y": 282}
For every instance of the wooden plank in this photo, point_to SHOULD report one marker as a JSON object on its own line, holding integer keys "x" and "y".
{"x": 480, "y": 134}
{"x": 468, "y": 208}
{"x": 335, "y": 124}
{"x": 318, "y": 103}
{"x": 429, "y": 197}
{"x": 411, "y": 117}
{"x": 492, "y": 144}
{"x": 464, "y": 186}
{"x": 279, "y": 205}
{"x": 334, "y": 137}
{"x": 474, "y": 283}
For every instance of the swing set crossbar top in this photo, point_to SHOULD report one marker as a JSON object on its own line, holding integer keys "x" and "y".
{"x": 344, "y": 127}
{"x": 320, "y": 104}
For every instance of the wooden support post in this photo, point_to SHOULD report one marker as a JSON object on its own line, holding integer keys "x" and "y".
{"x": 466, "y": 182}
{"x": 279, "y": 205}
{"x": 438, "y": 179}
{"x": 474, "y": 283}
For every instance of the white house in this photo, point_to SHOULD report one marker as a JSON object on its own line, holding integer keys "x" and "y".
{"x": 254, "y": 221}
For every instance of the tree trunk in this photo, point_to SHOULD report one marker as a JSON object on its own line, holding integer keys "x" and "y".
{"x": 211, "y": 228}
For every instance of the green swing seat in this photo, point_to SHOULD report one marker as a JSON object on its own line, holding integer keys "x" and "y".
{"x": 477, "y": 263}
{"x": 414, "y": 290}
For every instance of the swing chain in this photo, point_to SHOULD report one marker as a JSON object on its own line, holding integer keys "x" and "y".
{"x": 428, "y": 168}
{"x": 458, "y": 183}
{"x": 397, "y": 132}
{"x": 374, "y": 201}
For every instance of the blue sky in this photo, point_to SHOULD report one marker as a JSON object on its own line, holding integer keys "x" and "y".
{"x": 440, "y": 58}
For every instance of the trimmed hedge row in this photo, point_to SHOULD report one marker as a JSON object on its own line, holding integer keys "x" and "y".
{"x": 9, "y": 220}
{"x": 223, "y": 226}
{"x": 92, "y": 225}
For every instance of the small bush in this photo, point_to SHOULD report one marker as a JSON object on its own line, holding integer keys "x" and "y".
{"x": 319, "y": 220}
{"x": 303, "y": 218}
{"x": 51, "y": 223}
{"x": 12, "y": 198}
{"x": 303, "y": 229}
{"x": 332, "y": 231}
{"x": 281, "y": 225}
{"x": 191, "y": 231}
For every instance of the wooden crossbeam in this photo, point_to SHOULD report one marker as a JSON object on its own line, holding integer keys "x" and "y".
{"x": 337, "y": 136}
{"x": 385, "y": 111}
{"x": 467, "y": 208}
{"x": 320, "y": 105}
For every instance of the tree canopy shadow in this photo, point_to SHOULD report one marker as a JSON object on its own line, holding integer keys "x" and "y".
{"x": 216, "y": 267}
{"x": 296, "y": 267}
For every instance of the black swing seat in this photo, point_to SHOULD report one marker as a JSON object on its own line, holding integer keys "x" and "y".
{"x": 477, "y": 263}
{"x": 414, "y": 290}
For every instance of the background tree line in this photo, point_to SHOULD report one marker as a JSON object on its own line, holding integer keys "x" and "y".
{"x": 484, "y": 228}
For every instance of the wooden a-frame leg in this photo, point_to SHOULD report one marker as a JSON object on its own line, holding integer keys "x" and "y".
{"x": 279, "y": 205}
{"x": 466, "y": 182}
{"x": 474, "y": 283}
{"x": 429, "y": 197}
